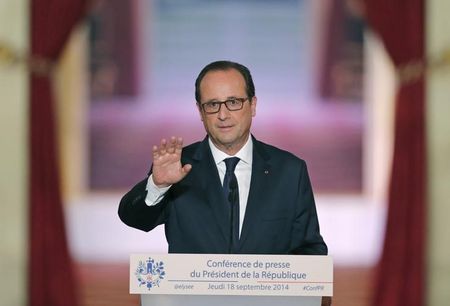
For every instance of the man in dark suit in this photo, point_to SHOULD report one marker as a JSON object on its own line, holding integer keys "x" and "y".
{"x": 265, "y": 206}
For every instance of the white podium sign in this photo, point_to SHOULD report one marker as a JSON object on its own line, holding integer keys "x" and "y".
{"x": 231, "y": 275}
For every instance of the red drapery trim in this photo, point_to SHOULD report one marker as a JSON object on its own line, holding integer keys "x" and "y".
{"x": 51, "y": 279}
{"x": 401, "y": 271}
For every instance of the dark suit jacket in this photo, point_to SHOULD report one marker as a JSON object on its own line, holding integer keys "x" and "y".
{"x": 280, "y": 217}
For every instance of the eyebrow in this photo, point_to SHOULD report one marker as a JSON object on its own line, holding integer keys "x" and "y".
{"x": 217, "y": 100}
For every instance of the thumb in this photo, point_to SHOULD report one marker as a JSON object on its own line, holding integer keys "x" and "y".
{"x": 186, "y": 169}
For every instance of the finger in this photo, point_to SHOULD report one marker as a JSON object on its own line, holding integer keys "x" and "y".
{"x": 163, "y": 147}
{"x": 155, "y": 152}
{"x": 179, "y": 145}
{"x": 172, "y": 145}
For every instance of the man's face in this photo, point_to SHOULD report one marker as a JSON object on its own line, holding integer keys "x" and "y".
{"x": 228, "y": 130}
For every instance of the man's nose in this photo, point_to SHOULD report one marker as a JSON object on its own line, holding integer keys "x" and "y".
{"x": 223, "y": 113}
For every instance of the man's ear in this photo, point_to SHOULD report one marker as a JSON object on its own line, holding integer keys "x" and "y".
{"x": 199, "y": 110}
{"x": 253, "y": 105}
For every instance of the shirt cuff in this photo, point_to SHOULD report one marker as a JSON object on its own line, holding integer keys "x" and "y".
{"x": 154, "y": 193}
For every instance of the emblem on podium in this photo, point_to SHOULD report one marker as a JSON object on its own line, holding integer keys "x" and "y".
{"x": 150, "y": 273}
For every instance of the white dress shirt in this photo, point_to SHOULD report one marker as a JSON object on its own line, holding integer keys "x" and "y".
{"x": 243, "y": 174}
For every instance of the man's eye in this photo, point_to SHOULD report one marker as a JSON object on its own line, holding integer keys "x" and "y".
{"x": 211, "y": 104}
{"x": 232, "y": 102}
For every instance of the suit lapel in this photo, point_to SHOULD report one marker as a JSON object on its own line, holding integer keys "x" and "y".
{"x": 259, "y": 183}
{"x": 210, "y": 182}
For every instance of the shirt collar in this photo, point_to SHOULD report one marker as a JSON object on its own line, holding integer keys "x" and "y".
{"x": 245, "y": 154}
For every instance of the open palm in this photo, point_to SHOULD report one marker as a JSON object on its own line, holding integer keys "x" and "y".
{"x": 167, "y": 167}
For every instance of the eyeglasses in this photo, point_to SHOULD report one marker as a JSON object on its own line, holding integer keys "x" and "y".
{"x": 233, "y": 104}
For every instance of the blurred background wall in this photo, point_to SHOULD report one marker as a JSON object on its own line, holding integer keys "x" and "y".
{"x": 14, "y": 154}
{"x": 438, "y": 111}
{"x": 309, "y": 81}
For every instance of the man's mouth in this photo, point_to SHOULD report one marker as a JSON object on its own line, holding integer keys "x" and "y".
{"x": 225, "y": 127}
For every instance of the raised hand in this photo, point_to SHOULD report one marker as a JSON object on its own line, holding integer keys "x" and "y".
{"x": 167, "y": 168}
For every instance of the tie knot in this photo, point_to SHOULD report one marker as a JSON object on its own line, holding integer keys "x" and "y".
{"x": 231, "y": 163}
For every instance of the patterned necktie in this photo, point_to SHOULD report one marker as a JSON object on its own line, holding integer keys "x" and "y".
{"x": 231, "y": 192}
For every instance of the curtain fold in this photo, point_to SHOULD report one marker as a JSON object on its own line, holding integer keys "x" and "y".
{"x": 50, "y": 275}
{"x": 401, "y": 271}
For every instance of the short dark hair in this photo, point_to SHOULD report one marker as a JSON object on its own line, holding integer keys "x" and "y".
{"x": 222, "y": 66}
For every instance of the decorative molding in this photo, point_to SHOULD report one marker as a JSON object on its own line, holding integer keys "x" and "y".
{"x": 414, "y": 70}
{"x": 35, "y": 64}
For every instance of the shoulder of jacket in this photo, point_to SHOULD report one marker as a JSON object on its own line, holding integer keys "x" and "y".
{"x": 277, "y": 153}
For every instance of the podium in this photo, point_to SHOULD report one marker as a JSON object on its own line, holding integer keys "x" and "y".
{"x": 230, "y": 280}
{"x": 228, "y": 300}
